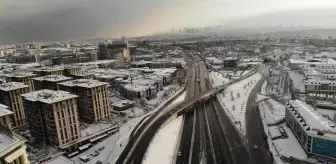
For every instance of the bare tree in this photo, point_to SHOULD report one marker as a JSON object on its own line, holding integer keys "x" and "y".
{"x": 232, "y": 98}
{"x": 233, "y": 107}
{"x": 238, "y": 94}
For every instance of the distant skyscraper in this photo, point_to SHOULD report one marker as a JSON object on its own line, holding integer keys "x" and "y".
{"x": 52, "y": 116}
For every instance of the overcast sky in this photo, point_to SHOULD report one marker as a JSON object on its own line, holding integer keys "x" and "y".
{"x": 47, "y": 20}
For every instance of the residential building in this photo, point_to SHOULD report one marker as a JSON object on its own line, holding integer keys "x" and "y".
{"x": 6, "y": 117}
{"x": 315, "y": 133}
{"x": 10, "y": 96}
{"x": 49, "y": 82}
{"x": 93, "y": 101}
{"x": 22, "y": 77}
{"x": 52, "y": 116}
{"x": 116, "y": 51}
{"x": 12, "y": 147}
{"x": 49, "y": 71}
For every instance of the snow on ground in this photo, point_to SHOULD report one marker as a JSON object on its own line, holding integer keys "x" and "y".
{"x": 89, "y": 129}
{"x": 161, "y": 149}
{"x": 234, "y": 99}
{"x": 298, "y": 80}
{"x": 328, "y": 113}
{"x": 177, "y": 100}
{"x": 217, "y": 78}
{"x": 115, "y": 143}
{"x": 163, "y": 95}
{"x": 290, "y": 146}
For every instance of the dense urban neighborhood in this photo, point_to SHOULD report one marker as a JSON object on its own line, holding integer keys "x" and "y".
{"x": 254, "y": 99}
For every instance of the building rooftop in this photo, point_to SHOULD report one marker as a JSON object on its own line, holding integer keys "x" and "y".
{"x": 312, "y": 119}
{"x": 53, "y": 78}
{"x": 9, "y": 142}
{"x": 4, "y": 110}
{"x": 86, "y": 83}
{"x": 20, "y": 74}
{"x": 48, "y": 96}
{"x": 59, "y": 160}
{"x": 49, "y": 69}
{"x": 12, "y": 86}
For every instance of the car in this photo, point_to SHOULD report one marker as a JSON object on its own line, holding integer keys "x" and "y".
{"x": 179, "y": 153}
{"x": 198, "y": 80}
{"x": 264, "y": 135}
{"x": 255, "y": 147}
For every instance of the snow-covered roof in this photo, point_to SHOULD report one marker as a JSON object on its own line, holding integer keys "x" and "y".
{"x": 4, "y": 110}
{"x": 311, "y": 118}
{"x": 12, "y": 86}
{"x": 86, "y": 83}
{"x": 20, "y": 74}
{"x": 53, "y": 78}
{"x": 48, "y": 96}
{"x": 59, "y": 160}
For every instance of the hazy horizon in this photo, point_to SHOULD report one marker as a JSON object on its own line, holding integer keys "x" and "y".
{"x": 40, "y": 20}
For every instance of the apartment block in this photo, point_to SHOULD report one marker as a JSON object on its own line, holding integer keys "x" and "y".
{"x": 22, "y": 77}
{"x": 12, "y": 148}
{"x": 69, "y": 70}
{"x": 52, "y": 116}
{"x": 49, "y": 82}
{"x": 6, "y": 117}
{"x": 10, "y": 96}
{"x": 93, "y": 102}
{"x": 49, "y": 71}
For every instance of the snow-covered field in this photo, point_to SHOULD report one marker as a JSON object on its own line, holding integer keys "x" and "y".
{"x": 217, "y": 78}
{"x": 161, "y": 149}
{"x": 234, "y": 99}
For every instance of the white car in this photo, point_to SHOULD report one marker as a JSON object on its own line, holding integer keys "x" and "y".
{"x": 179, "y": 153}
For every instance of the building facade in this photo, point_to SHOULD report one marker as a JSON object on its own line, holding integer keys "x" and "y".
{"x": 93, "y": 101}
{"x": 12, "y": 147}
{"x": 52, "y": 116}
{"x": 10, "y": 96}
{"x": 316, "y": 134}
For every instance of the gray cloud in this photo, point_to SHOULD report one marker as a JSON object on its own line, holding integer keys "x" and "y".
{"x": 41, "y": 20}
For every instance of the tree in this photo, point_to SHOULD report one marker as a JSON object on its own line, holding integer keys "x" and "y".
{"x": 238, "y": 94}
{"x": 232, "y": 98}
{"x": 233, "y": 107}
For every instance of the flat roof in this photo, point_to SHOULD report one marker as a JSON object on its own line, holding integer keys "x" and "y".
{"x": 4, "y": 110}
{"x": 12, "y": 86}
{"x": 53, "y": 78}
{"x": 48, "y": 96}
{"x": 9, "y": 143}
{"x": 86, "y": 83}
{"x": 20, "y": 74}
{"x": 317, "y": 61}
{"x": 313, "y": 119}
{"x": 59, "y": 160}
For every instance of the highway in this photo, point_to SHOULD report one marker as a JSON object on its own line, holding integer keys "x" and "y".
{"x": 255, "y": 129}
{"x": 135, "y": 149}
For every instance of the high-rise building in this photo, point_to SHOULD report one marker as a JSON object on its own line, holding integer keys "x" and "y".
{"x": 49, "y": 82}
{"x": 6, "y": 117}
{"x": 93, "y": 102}
{"x": 10, "y": 96}
{"x": 12, "y": 147}
{"x": 22, "y": 77}
{"x": 52, "y": 116}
